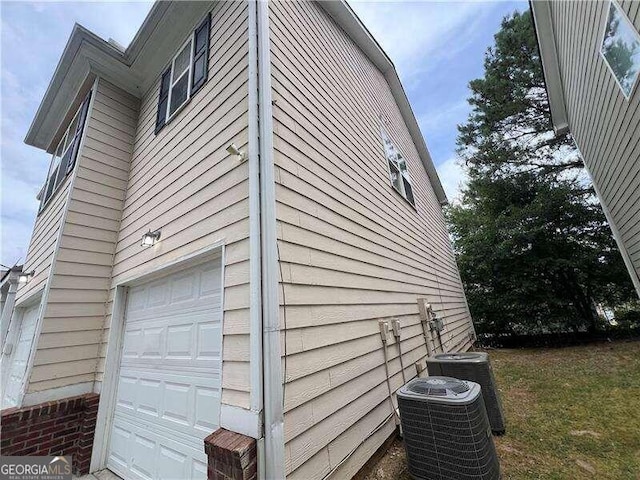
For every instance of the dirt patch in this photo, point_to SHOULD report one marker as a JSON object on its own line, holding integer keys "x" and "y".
{"x": 584, "y": 433}
{"x": 585, "y": 466}
{"x": 393, "y": 466}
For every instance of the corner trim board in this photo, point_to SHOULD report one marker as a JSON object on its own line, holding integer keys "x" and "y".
{"x": 255, "y": 272}
{"x": 273, "y": 389}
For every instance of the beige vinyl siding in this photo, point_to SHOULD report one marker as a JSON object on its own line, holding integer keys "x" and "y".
{"x": 351, "y": 249}
{"x": 68, "y": 347}
{"x": 43, "y": 243}
{"x": 183, "y": 182}
{"x": 603, "y": 123}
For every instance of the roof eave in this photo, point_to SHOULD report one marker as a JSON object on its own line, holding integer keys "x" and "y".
{"x": 83, "y": 54}
{"x": 543, "y": 23}
{"x": 346, "y": 18}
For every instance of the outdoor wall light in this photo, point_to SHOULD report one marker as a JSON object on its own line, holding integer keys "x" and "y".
{"x": 150, "y": 238}
{"x": 24, "y": 277}
{"x": 233, "y": 150}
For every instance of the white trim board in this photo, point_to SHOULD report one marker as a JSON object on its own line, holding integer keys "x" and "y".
{"x": 52, "y": 394}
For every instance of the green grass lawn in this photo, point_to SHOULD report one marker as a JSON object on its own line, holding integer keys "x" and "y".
{"x": 572, "y": 413}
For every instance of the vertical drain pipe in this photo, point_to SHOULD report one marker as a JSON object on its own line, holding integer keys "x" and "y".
{"x": 395, "y": 325}
{"x": 384, "y": 333}
{"x": 272, "y": 369}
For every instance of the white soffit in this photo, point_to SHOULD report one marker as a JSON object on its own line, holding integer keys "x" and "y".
{"x": 550, "y": 64}
{"x": 133, "y": 70}
{"x": 346, "y": 18}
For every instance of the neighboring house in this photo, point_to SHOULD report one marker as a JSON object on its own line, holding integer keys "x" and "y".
{"x": 591, "y": 59}
{"x": 234, "y": 202}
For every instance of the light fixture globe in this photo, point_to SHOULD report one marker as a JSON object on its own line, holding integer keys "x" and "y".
{"x": 24, "y": 277}
{"x": 150, "y": 238}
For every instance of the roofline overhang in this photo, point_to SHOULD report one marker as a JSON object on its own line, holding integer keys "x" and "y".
{"x": 347, "y": 19}
{"x": 543, "y": 25}
{"x": 86, "y": 54}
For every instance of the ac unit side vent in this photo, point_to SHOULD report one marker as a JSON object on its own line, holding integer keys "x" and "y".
{"x": 447, "y": 437}
{"x": 475, "y": 367}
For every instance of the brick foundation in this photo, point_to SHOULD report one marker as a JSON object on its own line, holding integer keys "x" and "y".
{"x": 231, "y": 456}
{"x": 61, "y": 427}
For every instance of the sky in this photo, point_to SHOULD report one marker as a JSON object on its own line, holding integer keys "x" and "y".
{"x": 437, "y": 48}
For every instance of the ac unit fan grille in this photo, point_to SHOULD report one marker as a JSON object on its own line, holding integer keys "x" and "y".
{"x": 438, "y": 387}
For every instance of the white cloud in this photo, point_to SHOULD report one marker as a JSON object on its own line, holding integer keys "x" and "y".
{"x": 453, "y": 177}
{"x": 33, "y": 38}
{"x": 412, "y": 31}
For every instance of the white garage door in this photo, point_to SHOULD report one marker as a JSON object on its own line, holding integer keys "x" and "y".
{"x": 20, "y": 357}
{"x": 168, "y": 396}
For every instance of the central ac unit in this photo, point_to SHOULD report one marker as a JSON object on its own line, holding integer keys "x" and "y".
{"x": 446, "y": 431}
{"x": 475, "y": 367}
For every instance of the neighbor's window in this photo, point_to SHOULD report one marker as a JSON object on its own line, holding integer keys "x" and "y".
{"x": 186, "y": 74}
{"x": 621, "y": 49}
{"x": 398, "y": 173}
{"x": 64, "y": 156}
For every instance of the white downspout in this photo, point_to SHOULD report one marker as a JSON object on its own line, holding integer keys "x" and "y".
{"x": 272, "y": 370}
{"x": 255, "y": 342}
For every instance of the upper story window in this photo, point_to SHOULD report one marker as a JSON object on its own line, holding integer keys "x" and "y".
{"x": 64, "y": 156}
{"x": 621, "y": 49}
{"x": 398, "y": 172}
{"x": 186, "y": 74}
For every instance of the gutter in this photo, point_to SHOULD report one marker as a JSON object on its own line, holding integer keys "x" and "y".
{"x": 543, "y": 26}
{"x": 272, "y": 369}
{"x": 347, "y": 19}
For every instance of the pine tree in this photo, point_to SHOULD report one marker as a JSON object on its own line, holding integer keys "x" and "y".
{"x": 535, "y": 252}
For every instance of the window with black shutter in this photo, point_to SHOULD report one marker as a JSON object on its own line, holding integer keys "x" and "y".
{"x": 163, "y": 100}
{"x": 64, "y": 157}
{"x": 186, "y": 74}
{"x": 200, "y": 55}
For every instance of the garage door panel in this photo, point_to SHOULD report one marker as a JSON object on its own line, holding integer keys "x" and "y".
{"x": 154, "y": 342}
{"x": 140, "y": 453}
{"x": 20, "y": 357}
{"x": 196, "y": 289}
{"x": 179, "y": 400}
{"x": 168, "y": 397}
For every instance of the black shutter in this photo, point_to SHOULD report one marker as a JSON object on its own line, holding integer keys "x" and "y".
{"x": 163, "y": 100}
{"x": 200, "y": 67}
{"x": 78, "y": 135}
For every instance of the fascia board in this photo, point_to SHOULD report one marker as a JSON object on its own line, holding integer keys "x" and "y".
{"x": 543, "y": 23}
{"x": 346, "y": 18}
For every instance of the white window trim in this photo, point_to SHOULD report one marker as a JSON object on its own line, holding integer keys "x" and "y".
{"x": 606, "y": 62}
{"x": 168, "y": 115}
{"x": 384, "y": 135}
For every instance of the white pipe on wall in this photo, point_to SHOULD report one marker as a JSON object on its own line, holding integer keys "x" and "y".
{"x": 255, "y": 282}
{"x": 272, "y": 370}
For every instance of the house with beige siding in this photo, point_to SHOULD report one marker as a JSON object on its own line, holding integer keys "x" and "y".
{"x": 235, "y": 202}
{"x": 591, "y": 60}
